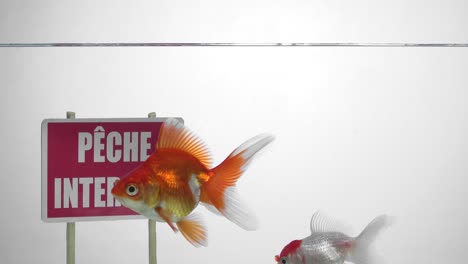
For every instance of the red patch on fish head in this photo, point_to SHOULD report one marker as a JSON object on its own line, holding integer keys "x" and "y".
{"x": 290, "y": 248}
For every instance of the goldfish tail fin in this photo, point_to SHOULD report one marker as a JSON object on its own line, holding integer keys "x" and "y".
{"x": 362, "y": 252}
{"x": 236, "y": 210}
{"x": 193, "y": 229}
{"x": 211, "y": 208}
{"x": 220, "y": 190}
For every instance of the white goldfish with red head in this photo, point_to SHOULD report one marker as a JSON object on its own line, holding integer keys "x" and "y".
{"x": 170, "y": 184}
{"x": 326, "y": 245}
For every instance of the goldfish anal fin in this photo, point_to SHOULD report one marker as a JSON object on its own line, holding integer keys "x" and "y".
{"x": 174, "y": 135}
{"x": 166, "y": 217}
{"x": 193, "y": 230}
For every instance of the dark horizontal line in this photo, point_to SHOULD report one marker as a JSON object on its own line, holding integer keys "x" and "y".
{"x": 226, "y": 44}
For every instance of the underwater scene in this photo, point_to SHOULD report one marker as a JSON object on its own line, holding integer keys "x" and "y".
{"x": 328, "y": 165}
{"x": 281, "y": 154}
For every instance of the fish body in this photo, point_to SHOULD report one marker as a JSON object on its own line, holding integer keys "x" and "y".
{"x": 325, "y": 245}
{"x": 169, "y": 179}
{"x": 178, "y": 176}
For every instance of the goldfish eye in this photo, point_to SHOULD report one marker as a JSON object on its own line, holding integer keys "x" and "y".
{"x": 283, "y": 260}
{"x": 132, "y": 190}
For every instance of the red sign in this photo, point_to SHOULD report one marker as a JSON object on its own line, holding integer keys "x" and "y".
{"x": 81, "y": 160}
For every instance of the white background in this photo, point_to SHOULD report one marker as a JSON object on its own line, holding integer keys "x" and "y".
{"x": 359, "y": 131}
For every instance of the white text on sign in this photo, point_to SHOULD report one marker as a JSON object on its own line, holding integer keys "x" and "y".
{"x": 113, "y": 146}
{"x": 71, "y": 186}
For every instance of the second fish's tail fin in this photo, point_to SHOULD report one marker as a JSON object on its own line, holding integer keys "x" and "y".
{"x": 363, "y": 252}
{"x": 220, "y": 192}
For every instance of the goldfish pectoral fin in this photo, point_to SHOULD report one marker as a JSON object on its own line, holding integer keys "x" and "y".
{"x": 166, "y": 217}
{"x": 193, "y": 229}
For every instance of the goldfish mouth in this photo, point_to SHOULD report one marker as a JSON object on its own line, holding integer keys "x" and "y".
{"x": 123, "y": 202}
{"x": 120, "y": 200}
{"x": 114, "y": 191}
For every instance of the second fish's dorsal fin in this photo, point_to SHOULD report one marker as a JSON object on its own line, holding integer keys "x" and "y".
{"x": 320, "y": 222}
{"x": 175, "y": 135}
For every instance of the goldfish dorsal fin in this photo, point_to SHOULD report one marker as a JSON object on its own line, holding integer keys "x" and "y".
{"x": 193, "y": 230}
{"x": 175, "y": 135}
{"x": 320, "y": 222}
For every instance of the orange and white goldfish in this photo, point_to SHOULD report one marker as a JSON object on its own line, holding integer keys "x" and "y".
{"x": 326, "y": 245}
{"x": 174, "y": 179}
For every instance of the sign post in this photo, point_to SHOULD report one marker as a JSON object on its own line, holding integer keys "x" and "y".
{"x": 152, "y": 228}
{"x": 81, "y": 160}
{"x": 70, "y": 225}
